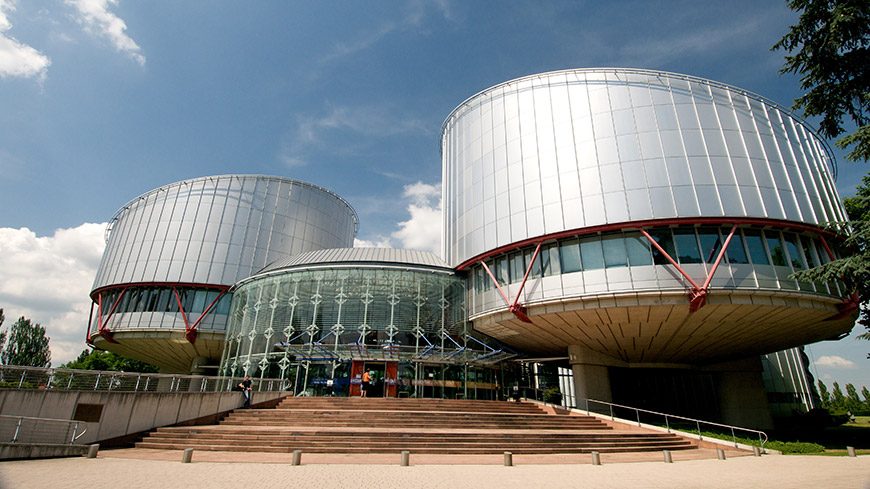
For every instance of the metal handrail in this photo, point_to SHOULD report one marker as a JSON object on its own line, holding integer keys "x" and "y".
{"x": 17, "y": 377}
{"x": 673, "y": 416}
{"x": 75, "y": 434}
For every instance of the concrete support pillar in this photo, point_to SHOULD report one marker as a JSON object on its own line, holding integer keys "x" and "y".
{"x": 591, "y": 378}
{"x": 742, "y": 397}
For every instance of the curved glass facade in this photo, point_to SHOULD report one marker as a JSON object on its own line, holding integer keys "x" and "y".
{"x": 568, "y": 150}
{"x": 625, "y": 261}
{"x": 316, "y": 322}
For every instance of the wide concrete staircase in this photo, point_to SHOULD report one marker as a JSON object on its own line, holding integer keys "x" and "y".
{"x": 431, "y": 426}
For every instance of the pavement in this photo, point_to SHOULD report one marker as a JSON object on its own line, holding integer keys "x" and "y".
{"x": 140, "y": 468}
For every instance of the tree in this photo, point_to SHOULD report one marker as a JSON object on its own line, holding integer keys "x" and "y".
{"x": 866, "y": 394}
{"x": 824, "y": 395}
{"x": 853, "y": 403}
{"x": 830, "y": 48}
{"x": 838, "y": 400}
{"x": 105, "y": 360}
{"x": 27, "y": 345}
{"x": 2, "y": 334}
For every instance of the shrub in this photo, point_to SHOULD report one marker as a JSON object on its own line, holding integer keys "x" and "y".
{"x": 795, "y": 447}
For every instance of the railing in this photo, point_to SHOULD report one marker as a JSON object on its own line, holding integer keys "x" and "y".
{"x": 13, "y": 377}
{"x": 27, "y": 429}
{"x": 762, "y": 436}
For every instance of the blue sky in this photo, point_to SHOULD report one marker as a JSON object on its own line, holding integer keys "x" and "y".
{"x": 103, "y": 100}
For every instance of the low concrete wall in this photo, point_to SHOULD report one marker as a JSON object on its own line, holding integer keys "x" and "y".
{"x": 124, "y": 415}
{"x": 17, "y": 451}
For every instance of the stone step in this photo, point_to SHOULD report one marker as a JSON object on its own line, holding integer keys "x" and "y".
{"x": 353, "y": 425}
{"x": 344, "y": 436}
{"x": 453, "y": 450}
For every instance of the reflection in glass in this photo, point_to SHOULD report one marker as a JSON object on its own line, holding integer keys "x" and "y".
{"x": 687, "y": 246}
{"x": 794, "y": 251}
{"x": 711, "y": 243}
{"x": 664, "y": 239}
{"x": 756, "y": 247}
{"x": 776, "y": 250}
{"x": 593, "y": 258}
{"x": 736, "y": 252}
{"x": 570, "y": 255}
{"x": 638, "y": 250}
{"x": 614, "y": 251}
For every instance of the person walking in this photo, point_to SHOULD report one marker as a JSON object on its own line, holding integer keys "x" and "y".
{"x": 366, "y": 382}
{"x": 246, "y": 385}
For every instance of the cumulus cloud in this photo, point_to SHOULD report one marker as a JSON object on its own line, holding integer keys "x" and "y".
{"x": 423, "y": 230}
{"x": 17, "y": 59}
{"x": 47, "y": 279}
{"x": 380, "y": 242}
{"x": 95, "y": 17}
{"x": 834, "y": 361}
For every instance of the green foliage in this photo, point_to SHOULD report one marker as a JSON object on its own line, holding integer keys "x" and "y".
{"x": 830, "y": 48}
{"x": 795, "y": 447}
{"x": 854, "y": 267}
{"x": 824, "y": 395}
{"x": 2, "y": 334}
{"x": 14, "y": 385}
{"x": 27, "y": 345}
{"x": 105, "y": 360}
{"x": 553, "y": 395}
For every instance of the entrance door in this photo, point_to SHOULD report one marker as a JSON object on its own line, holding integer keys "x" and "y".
{"x": 384, "y": 378}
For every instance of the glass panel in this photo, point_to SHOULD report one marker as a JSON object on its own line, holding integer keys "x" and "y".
{"x": 501, "y": 270}
{"x": 777, "y": 252}
{"x": 736, "y": 252}
{"x": 638, "y": 250}
{"x": 536, "y": 266}
{"x": 794, "y": 251}
{"x": 488, "y": 280}
{"x": 711, "y": 243}
{"x": 666, "y": 241}
{"x": 687, "y": 246}
{"x": 614, "y": 251}
{"x": 550, "y": 260}
{"x": 517, "y": 267}
{"x": 570, "y": 255}
{"x": 593, "y": 258}
{"x": 810, "y": 253}
{"x": 756, "y": 247}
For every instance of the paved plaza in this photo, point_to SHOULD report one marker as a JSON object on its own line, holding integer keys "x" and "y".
{"x": 127, "y": 469}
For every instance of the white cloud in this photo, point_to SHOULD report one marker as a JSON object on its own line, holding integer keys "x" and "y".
{"x": 411, "y": 18}
{"x": 17, "y": 59}
{"x": 95, "y": 17}
{"x": 319, "y": 133}
{"x": 834, "y": 361}
{"x": 423, "y": 230}
{"x": 47, "y": 279}
{"x": 379, "y": 242}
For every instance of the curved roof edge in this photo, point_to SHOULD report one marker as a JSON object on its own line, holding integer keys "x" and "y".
{"x": 188, "y": 181}
{"x": 642, "y": 71}
{"x": 356, "y": 256}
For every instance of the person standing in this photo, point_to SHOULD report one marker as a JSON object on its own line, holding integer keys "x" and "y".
{"x": 366, "y": 382}
{"x": 246, "y": 385}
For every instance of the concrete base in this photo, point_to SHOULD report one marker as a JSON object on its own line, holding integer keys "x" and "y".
{"x": 742, "y": 397}
{"x": 18, "y": 451}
